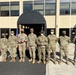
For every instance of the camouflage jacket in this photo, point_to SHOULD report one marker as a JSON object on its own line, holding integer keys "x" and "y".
{"x": 42, "y": 41}
{"x": 32, "y": 40}
{"x": 64, "y": 40}
{"x": 22, "y": 38}
{"x": 3, "y": 43}
{"x": 12, "y": 41}
{"x": 52, "y": 39}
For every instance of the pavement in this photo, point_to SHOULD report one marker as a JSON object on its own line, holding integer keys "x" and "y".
{"x": 63, "y": 68}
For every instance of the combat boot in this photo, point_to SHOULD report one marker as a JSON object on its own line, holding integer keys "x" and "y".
{"x": 60, "y": 61}
{"x": 14, "y": 59}
{"x": 74, "y": 62}
{"x": 30, "y": 60}
{"x": 4, "y": 59}
{"x": 20, "y": 60}
{"x": 48, "y": 61}
{"x": 23, "y": 59}
{"x": 39, "y": 61}
{"x": 44, "y": 62}
{"x": 54, "y": 61}
{"x": 33, "y": 61}
{"x": 67, "y": 62}
{"x": 11, "y": 60}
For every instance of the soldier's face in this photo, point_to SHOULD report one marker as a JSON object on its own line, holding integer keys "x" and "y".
{"x": 42, "y": 34}
{"x": 31, "y": 30}
{"x": 52, "y": 32}
{"x": 22, "y": 31}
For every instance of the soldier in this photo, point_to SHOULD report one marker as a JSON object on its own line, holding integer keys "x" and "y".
{"x": 12, "y": 44}
{"x": 42, "y": 43}
{"x": 64, "y": 41}
{"x": 3, "y": 47}
{"x": 75, "y": 50}
{"x": 52, "y": 40}
{"x": 22, "y": 39}
{"x": 32, "y": 39}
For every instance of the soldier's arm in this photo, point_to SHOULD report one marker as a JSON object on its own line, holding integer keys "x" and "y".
{"x": 46, "y": 41}
{"x": 38, "y": 41}
{"x": 69, "y": 40}
{"x": 74, "y": 40}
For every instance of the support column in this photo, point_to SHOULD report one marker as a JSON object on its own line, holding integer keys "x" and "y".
{"x": 57, "y": 17}
{"x": 21, "y": 6}
{"x": 0, "y": 32}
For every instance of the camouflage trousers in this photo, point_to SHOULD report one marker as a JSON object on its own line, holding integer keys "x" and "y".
{"x": 22, "y": 49}
{"x": 75, "y": 53}
{"x": 41, "y": 52}
{"x": 63, "y": 52}
{"x": 3, "y": 53}
{"x": 51, "y": 49}
{"x": 32, "y": 52}
{"x": 12, "y": 51}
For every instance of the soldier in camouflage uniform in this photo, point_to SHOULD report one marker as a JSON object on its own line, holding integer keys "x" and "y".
{"x": 12, "y": 44}
{"x": 64, "y": 41}
{"x": 42, "y": 43}
{"x": 52, "y": 40}
{"x": 22, "y": 40}
{"x": 3, "y": 47}
{"x": 32, "y": 38}
{"x": 75, "y": 50}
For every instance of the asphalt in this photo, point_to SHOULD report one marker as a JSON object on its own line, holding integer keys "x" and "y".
{"x": 20, "y": 68}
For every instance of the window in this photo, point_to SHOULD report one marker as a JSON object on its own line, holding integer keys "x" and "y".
{"x": 27, "y": 6}
{"x": 73, "y": 8}
{"x": 39, "y": 6}
{"x": 64, "y": 7}
{"x": 14, "y": 8}
{"x": 4, "y": 9}
{"x": 50, "y": 7}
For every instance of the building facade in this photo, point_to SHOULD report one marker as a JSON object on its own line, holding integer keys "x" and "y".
{"x": 59, "y": 14}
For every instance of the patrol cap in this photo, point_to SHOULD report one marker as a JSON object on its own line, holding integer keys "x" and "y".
{"x": 52, "y": 30}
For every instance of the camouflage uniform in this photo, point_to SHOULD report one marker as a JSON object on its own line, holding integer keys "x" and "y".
{"x": 64, "y": 41}
{"x": 42, "y": 43}
{"x": 52, "y": 40}
{"x": 32, "y": 38}
{"x": 22, "y": 39}
{"x": 3, "y": 47}
{"x": 12, "y": 44}
{"x": 75, "y": 50}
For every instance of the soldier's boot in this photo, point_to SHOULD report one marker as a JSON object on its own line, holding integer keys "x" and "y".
{"x": 14, "y": 59}
{"x": 67, "y": 62}
{"x": 74, "y": 62}
{"x": 30, "y": 60}
{"x": 39, "y": 61}
{"x": 48, "y": 61}
{"x": 23, "y": 59}
{"x": 4, "y": 59}
{"x": 44, "y": 62}
{"x": 11, "y": 60}
{"x": 33, "y": 61}
{"x": 54, "y": 60}
{"x": 60, "y": 61}
{"x": 20, "y": 59}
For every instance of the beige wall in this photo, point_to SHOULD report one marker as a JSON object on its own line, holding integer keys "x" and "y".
{"x": 7, "y": 0}
{"x": 50, "y": 21}
{"x": 67, "y": 21}
{"x": 8, "y": 22}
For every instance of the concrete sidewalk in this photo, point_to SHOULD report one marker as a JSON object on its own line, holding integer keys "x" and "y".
{"x": 63, "y": 69}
